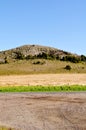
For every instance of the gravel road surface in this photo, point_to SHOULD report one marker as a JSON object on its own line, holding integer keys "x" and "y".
{"x": 43, "y": 111}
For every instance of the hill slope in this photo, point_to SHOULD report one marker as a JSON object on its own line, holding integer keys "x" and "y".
{"x": 33, "y": 50}
{"x": 31, "y": 59}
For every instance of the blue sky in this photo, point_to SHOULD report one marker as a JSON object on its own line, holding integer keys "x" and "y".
{"x": 55, "y": 23}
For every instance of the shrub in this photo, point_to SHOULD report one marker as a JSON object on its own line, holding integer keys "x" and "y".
{"x": 19, "y": 55}
{"x": 6, "y": 61}
{"x": 67, "y": 67}
{"x": 57, "y": 57}
{"x": 83, "y": 58}
{"x": 29, "y": 57}
{"x": 73, "y": 59}
{"x": 42, "y": 55}
{"x": 39, "y": 62}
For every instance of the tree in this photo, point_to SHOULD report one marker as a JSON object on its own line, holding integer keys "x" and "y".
{"x": 83, "y": 58}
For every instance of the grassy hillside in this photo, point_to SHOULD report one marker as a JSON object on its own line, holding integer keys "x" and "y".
{"x": 34, "y": 59}
{"x": 37, "y": 66}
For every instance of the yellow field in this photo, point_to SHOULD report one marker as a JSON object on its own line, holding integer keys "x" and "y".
{"x": 43, "y": 79}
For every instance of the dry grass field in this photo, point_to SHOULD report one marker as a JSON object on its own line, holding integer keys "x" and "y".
{"x": 43, "y": 79}
{"x": 43, "y": 111}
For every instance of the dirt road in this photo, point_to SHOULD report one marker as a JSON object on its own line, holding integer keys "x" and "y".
{"x": 43, "y": 79}
{"x": 43, "y": 111}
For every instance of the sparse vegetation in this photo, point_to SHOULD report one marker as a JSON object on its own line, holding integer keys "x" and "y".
{"x": 19, "y": 55}
{"x": 39, "y": 62}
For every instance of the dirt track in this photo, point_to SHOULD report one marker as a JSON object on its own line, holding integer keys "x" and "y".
{"x": 43, "y": 111}
{"x": 43, "y": 79}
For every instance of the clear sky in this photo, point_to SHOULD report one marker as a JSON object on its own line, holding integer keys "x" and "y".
{"x": 55, "y": 23}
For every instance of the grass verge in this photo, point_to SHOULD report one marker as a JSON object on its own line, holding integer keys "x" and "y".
{"x": 43, "y": 88}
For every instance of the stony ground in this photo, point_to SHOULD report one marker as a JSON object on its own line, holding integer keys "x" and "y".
{"x": 43, "y": 79}
{"x": 43, "y": 111}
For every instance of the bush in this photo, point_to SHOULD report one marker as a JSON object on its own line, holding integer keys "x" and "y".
{"x": 83, "y": 58}
{"x": 57, "y": 57}
{"x": 73, "y": 59}
{"x": 19, "y": 55}
{"x": 30, "y": 57}
{"x": 39, "y": 62}
{"x": 6, "y": 61}
{"x": 67, "y": 67}
{"x": 43, "y": 56}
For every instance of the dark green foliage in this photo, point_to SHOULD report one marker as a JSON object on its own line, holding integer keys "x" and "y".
{"x": 83, "y": 58}
{"x": 42, "y": 55}
{"x": 70, "y": 58}
{"x": 19, "y": 55}
{"x": 51, "y": 56}
{"x": 67, "y": 67}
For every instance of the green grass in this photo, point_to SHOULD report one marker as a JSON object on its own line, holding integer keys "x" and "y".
{"x": 43, "y": 88}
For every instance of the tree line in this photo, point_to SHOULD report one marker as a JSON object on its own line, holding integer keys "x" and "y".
{"x": 70, "y": 58}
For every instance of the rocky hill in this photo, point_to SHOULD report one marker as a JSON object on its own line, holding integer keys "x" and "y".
{"x": 33, "y": 50}
{"x": 37, "y": 51}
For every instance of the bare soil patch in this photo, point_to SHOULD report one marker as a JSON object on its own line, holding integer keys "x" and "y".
{"x": 43, "y": 111}
{"x": 43, "y": 79}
